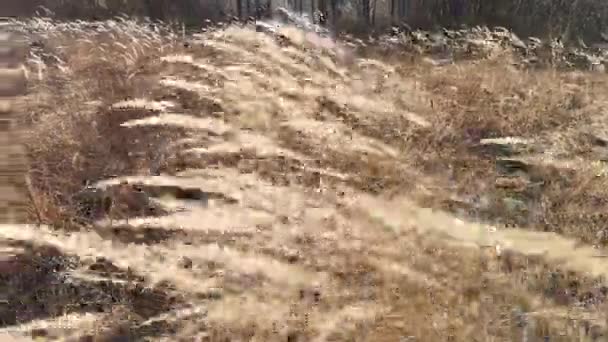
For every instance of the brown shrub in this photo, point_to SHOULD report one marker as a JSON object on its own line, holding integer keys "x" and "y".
{"x": 76, "y": 136}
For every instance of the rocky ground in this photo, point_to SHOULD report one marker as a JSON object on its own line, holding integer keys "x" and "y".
{"x": 281, "y": 186}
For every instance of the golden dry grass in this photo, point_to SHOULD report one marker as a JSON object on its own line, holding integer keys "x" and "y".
{"x": 305, "y": 198}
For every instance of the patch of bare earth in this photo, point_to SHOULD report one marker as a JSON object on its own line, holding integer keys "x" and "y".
{"x": 249, "y": 188}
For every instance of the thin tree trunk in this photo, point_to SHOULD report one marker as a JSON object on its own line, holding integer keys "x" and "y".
{"x": 324, "y": 11}
{"x": 365, "y": 11}
{"x": 373, "y": 8}
{"x": 269, "y": 9}
{"x": 239, "y": 9}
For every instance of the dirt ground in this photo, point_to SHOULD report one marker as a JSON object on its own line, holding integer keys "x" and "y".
{"x": 236, "y": 185}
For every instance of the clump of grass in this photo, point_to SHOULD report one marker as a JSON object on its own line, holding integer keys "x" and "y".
{"x": 75, "y": 135}
{"x": 485, "y": 99}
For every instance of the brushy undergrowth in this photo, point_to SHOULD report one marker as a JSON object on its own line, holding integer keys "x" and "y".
{"x": 78, "y": 70}
{"x": 386, "y": 126}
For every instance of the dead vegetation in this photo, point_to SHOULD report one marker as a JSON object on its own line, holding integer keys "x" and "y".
{"x": 289, "y": 188}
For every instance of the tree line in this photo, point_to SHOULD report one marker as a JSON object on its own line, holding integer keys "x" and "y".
{"x": 567, "y": 19}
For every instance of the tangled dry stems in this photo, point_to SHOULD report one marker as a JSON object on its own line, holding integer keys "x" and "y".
{"x": 404, "y": 129}
{"x": 83, "y": 71}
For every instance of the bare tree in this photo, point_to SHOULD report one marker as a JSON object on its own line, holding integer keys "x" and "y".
{"x": 324, "y": 9}
{"x": 364, "y": 10}
{"x": 374, "y": 6}
{"x": 574, "y": 18}
{"x": 334, "y": 12}
{"x": 269, "y": 8}
{"x": 239, "y": 9}
{"x": 257, "y": 9}
{"x": 404, "y": 8}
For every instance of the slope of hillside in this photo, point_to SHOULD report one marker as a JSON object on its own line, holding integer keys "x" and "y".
{"x": 260, "y": 186}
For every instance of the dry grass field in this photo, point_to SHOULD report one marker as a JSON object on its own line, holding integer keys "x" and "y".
{"x": 234, "y": 185}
